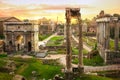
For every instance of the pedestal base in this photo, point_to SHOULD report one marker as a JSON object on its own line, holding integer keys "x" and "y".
{"x": 69, "y": 76}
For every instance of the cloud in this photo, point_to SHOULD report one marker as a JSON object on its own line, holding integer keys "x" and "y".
{"x": 33, "y": 10}
{"x": 62, "y": 7}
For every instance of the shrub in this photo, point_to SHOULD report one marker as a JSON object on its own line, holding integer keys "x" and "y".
{"x": 3, "y": 55}
{"x": 2, "y": 37}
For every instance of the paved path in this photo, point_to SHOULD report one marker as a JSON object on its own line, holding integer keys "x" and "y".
{"x": 47, "y": 39}
{"x": 101, "y": 68}
{"x": 94, "y": 38}
{"x": 43, "y": 43}
{"x": 61, "y": 57}
{"x": 92, "y": 68}
{"x": 62, "y": 60}
{"x": 84, "y": 46}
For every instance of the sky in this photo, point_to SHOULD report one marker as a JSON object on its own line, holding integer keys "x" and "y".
{"x": 55, "y": 9}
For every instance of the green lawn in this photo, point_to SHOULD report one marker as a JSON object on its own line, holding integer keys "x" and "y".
{"x": 3, "y": 55}
{"x": 26, "y": 66}
{"x": 56, "y": 41}
{"x": 42, "y": 70}
{"x": 2, "y": 61}
{"x": 76, "y": 51}
{"x": 89, "y": 41}
{"x": 92, "y": 77}
{"x": 42, "y": 37}
{"x": 95, "y": 61}
{"x": 5, "y": 76}
{"x": 112, "y": 44}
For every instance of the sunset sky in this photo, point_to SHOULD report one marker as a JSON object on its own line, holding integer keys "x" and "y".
{"x": 36, "y": 9}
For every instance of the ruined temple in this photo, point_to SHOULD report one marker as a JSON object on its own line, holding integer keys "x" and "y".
{"x": 104, "y": 24}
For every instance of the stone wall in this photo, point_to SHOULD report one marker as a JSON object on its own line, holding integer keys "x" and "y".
{"x": 113, "y": 57}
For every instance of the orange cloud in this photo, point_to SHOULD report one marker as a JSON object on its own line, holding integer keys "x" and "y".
{"x": 62, "y": 7}
{"x": 31, "y": 10}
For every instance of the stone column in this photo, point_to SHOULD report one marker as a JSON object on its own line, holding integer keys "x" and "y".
{"x": 116, "y": 36}
{"x": 24, "y": 38}
{"x": 25, "y": 43}
{"x": 13, "y": 41}
{"x": 68, "y": 41}
{"x": 102, "y": 32}
{"x": 80, "y": 44}
{"x": 5, "y": 44}
{"x": 64, "y": 31}
{"x": 13, "y": 38}
{"x": 104, "y": 35}
{"x": 97, "y": 33}
{"x": 100, "y": 38}
{"x": 107, "y": 35}
{"x": 5, "y": 34}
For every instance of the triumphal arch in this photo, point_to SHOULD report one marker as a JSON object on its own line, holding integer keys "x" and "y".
{"x": 21, "y": 36}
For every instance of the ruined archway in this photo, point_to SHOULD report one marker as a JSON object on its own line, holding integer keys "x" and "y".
{"x": 19, "y": 42}
{"x": 29, "y": 46}
{"x": 23, "y": 35}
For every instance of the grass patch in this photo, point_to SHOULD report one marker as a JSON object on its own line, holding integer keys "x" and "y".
{"x": 57, "y": 51}
{"x": 26, "y": 66}
{"x": 75, "y": 51}
{"x": 95, "y": 61}
{"x": 112, "y": 46}
{"x": 3, "y": 55}
{"x": 3, "y": 60}
{"x": 2, "y": 63}
{"x": 89, "y": 41}
{"x": 56, "y": 41}
{"x": 85, "y": 51}
{"x": 61, "y": 51}
{"x": 5, "y": 76}
{"x": 92, "y": 77}
{"x": 46, "y": 71}
{"x": 42, "y": 37}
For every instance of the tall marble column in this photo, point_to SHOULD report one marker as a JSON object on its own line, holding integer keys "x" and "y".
{"x": 104, "y": 35}
{"x": 107, "y": 35}
{"x": 116, "y": 36}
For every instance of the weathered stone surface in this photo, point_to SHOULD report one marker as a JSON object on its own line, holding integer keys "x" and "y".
{"x": 18, "y": 77}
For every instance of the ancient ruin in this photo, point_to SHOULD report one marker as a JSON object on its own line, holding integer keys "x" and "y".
{"x": 103, "y": 38}
{"x": 73, "y": 13}
{"x": 21, "y": 36}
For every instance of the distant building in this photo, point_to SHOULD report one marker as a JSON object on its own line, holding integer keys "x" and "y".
{"x": 92, "y": 29}
{"x": 6, "y": 19}
{"x": 60, "y": 29}
{"x": 92, "y": 26}
{"x": 46, "y": 26}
